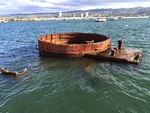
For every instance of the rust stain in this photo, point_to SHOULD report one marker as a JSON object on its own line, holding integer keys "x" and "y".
{"x": 73, "y": 43}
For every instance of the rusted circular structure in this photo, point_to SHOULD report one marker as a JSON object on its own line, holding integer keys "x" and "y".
{"x": 72, "y": 44}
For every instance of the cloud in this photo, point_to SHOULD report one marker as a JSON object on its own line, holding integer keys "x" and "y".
{"x": 92, "y": 2}
{"x": 23, "y": 6}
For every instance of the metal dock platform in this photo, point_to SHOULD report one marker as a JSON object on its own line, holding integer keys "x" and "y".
{"x": 130, "y": 55}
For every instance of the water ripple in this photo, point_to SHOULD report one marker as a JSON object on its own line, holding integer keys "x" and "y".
{"x": 73, "y": 85}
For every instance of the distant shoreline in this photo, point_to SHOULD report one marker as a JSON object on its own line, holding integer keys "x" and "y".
{"x": 137, "y": 17}
{"x": 8, "y": 19}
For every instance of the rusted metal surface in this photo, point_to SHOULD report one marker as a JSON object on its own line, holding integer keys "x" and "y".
{"x": 130, "y": 55}
{"x": 76, "y": 44}
{"x": 73, "y": 44}
{"x": 15, "y": 73}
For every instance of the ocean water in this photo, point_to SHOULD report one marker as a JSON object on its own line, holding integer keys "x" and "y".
{"x": 82, "y": 85}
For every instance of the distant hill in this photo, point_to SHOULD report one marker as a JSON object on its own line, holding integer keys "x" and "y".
{"x": 137, "y": 11}
{"x": 129, "y": 12}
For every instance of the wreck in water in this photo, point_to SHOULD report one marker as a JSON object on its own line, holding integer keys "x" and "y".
{"x": 78, "y": 44}
{"x": 72, "y": 44}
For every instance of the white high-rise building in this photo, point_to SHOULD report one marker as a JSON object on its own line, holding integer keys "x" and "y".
{"x": 82, "y": 15}
{"x": 60, "y": 14}
{"x": 74, "y": 15}
{"x": 86, "y": 14}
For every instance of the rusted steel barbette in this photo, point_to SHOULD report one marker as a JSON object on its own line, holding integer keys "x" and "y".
{"x": 73, "y": 44}
{"x": 78, "y": 44}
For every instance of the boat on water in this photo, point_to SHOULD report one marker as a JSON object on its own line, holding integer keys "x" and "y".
{"x": 112, "y": 19}
{"x": 100, "y": 20}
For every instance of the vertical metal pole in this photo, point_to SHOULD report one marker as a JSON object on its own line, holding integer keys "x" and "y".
{"x": 120, "y": 43}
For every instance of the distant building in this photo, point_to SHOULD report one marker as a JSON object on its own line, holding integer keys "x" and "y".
{"x": 86, "y": 14}
{"x": 74, "y": 15}
{"x": 60, "y": 14}
{"x": 82, "y": 15}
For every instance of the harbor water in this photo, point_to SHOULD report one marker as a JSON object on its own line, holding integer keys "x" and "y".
{"x": 82, "y": 85}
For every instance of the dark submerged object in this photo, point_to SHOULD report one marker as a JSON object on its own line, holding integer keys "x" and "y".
{"x": 77, "y": 44}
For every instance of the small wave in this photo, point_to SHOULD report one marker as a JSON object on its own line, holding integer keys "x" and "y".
{"x": 134, "y": 97}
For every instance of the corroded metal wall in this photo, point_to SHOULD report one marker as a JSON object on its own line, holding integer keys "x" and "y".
{"x": 73, "y": 43}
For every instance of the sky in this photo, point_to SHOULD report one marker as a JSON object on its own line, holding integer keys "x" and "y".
{"x": 41, "y": 6}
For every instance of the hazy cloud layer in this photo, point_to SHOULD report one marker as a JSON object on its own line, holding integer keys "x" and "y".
{"x": 24, "y": 6}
